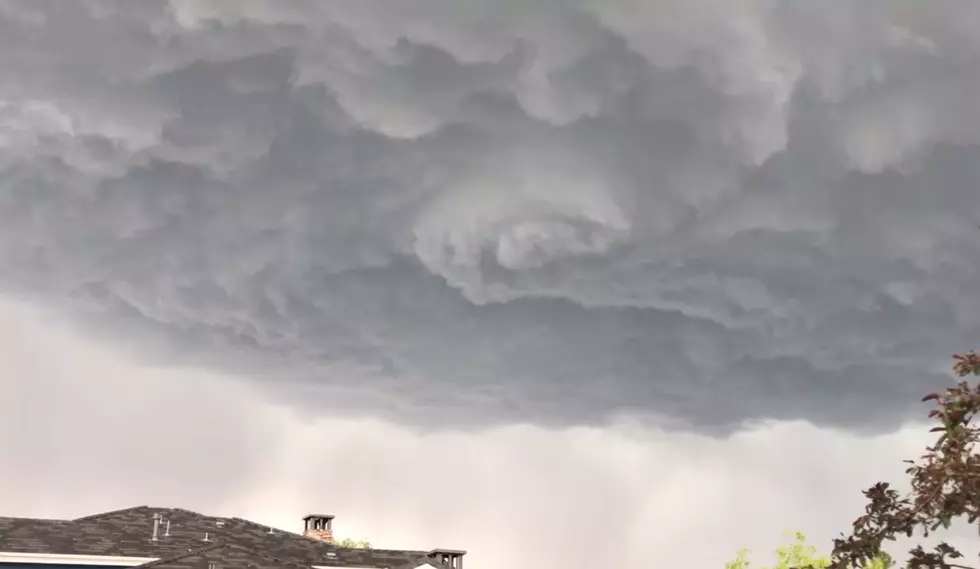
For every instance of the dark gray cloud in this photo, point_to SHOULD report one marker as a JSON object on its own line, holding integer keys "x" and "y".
{"x": 83, "y": 430}
{"x": 460, "y": 213}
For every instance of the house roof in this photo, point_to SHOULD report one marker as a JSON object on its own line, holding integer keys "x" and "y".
{"x": 193, "y": 541}
{"x": 225, "y": 555}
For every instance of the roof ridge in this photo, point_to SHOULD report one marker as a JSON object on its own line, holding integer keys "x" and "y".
{"x": 329, "y": 545}
{"x": 222, "y": 545}
{"x": 31, "y": 519}
{"x": 228, "y": 537}
{"x": 223, "y": 530}
{"x": 100, "y": 515}
{"x": 191, "y": 512}
{"x": 250, "y": 522}
{"x": 386, "y": 550}
{"x": 109, "y": 513}
{"x": 179, "y": 556}
{"x": 279, "y": 530}
{"x": 269, "y": 557}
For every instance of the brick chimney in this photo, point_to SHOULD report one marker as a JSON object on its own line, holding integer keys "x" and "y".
{"x": 319, "y": 526}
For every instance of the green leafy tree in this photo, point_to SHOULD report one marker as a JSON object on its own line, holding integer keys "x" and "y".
{"x": 945, "y": 485}
{"x": 353, "y": 543}
{"x": 799, "y": 554}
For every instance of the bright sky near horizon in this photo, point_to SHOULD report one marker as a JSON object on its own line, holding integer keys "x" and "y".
{"x": 564, "y": 283}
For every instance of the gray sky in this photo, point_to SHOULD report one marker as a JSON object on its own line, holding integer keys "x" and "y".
{"x": 595, "y": 251}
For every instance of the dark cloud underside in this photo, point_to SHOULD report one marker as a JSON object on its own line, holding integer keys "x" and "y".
{"x": 462, "y": 213}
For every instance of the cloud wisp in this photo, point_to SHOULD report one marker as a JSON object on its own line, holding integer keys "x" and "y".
{"x": 472, "y": 213}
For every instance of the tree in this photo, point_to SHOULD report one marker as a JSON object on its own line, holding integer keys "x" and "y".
{"x": 353, "y": 543}
{"x": 945, "y": 485}
{"x": 799, "y": 554}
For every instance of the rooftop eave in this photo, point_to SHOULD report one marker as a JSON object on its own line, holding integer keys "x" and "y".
{"x": 73, "y": 559}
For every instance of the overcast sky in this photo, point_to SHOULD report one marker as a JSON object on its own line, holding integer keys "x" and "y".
{"x": 559, "y": 282}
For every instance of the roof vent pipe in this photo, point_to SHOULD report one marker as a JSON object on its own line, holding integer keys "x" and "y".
{"x": 156, "y": 527}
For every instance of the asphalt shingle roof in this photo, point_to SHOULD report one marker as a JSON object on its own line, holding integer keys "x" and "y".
{"x": 191, "y": 541}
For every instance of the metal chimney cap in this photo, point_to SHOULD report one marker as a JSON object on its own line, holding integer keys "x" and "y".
{"x": 459, "y": 552}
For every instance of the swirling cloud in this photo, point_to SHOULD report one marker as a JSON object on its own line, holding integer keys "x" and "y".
{"x": 710, "y": 213}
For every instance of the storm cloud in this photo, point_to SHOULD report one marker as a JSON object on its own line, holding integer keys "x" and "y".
{"x": 461, "y": 213}
{"x": 86, "y": 431}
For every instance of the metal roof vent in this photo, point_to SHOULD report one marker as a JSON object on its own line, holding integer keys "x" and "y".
{"x": 156, "y": 527}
